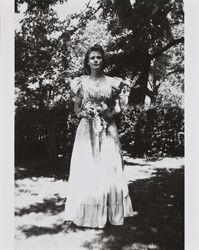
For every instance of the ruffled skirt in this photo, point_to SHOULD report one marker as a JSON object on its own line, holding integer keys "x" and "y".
{"x": 97, "y": 189}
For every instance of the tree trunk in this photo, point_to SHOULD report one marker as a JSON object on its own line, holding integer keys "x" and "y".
{"x": 138, "y": 92}
{"x": 51, "y": 145}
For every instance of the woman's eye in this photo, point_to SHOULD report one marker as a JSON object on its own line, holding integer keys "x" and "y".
{"x": 97, "y": 57}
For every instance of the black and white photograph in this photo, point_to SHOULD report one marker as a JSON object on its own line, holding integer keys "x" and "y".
{"x": 99, "y": 125}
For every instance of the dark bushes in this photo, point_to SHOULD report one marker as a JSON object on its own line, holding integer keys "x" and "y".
{"x": 156, "y": 132}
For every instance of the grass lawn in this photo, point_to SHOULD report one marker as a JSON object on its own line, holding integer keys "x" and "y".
{"x": 156, "y": 188}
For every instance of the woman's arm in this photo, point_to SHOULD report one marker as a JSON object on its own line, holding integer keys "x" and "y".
{"x": 77, "y": 105}
{"x": 110, "y": 114}
{"x": 117, "y": 108}
{"x": 76, "y": 86}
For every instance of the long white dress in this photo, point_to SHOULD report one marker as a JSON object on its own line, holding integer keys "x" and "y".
{"x": 97, "y": 189}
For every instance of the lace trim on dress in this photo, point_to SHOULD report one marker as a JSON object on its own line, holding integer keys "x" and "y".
{"x": 83, "y": 87}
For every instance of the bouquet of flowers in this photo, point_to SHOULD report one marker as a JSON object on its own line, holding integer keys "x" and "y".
{"x": 94, "y": 111}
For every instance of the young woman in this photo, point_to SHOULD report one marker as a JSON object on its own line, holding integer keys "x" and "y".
{"x": 98, "y": 191}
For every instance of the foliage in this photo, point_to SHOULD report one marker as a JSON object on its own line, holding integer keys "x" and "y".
{"x": 142, "y": 32}
{"x": 41, "y": 58}
{"x": 31, "y": 4}
{"x": 144, "y": 44}
{"x": 157, "y": 132}
{"x": 135, "y": 35}
{"x": 49, "y": 133}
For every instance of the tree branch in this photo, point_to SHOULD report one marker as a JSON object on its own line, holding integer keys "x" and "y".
{"x": 87, "y": 6}
{"x": 178, "y": 70}
{"x": 165, "y": 48}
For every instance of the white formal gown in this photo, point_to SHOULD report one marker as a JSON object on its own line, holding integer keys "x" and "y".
{"x": 97, "y": 189}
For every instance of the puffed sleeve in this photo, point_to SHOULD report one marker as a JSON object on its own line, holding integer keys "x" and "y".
{"x": 117, "y": 86}
{"x": 77, "y": 86}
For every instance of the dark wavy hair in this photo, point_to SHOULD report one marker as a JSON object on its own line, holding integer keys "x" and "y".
{"x": 98, "y": 48}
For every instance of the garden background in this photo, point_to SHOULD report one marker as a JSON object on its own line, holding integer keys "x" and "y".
{"x": 144, "y": 41}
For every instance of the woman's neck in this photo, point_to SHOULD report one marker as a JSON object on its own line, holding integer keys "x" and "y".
{"x": 96, "y": 75}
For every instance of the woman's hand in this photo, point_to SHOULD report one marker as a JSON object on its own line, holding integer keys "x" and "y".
{"x": 108, "y": 115}
{"x": 84, "y": 114}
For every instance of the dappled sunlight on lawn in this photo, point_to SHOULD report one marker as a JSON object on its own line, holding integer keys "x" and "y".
{"x": 56, "y": 241}
{"x": 142, "y": 168}
{"x": 157, "y": 192}
{"x": 31, "y": 190}
{"x": 159, "y": 223}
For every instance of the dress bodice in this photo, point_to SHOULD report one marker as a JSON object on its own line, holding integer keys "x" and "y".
{"x": 94, "y": 93}
{"x": 106, "y": 92}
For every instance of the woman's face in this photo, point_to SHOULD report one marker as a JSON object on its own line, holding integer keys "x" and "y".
{"x": 95, "y": 60}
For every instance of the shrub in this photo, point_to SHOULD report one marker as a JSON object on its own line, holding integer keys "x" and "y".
{"x": 156, "y": 132}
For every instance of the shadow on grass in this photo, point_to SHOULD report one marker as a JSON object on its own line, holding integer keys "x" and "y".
{"x": 160, "y": 221}
{"x": 51, "y": 206}
{"x": 135, "y": 163}
{"x": 32, "y": 231}
{"x": 31, "y": 168}
{"x": 42, "y": 168}
{"x": 159, "y": 225}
